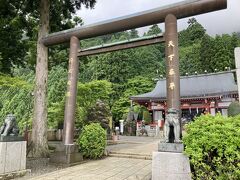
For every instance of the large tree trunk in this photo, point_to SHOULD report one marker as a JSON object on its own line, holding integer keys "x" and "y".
{"x": 39, "y": 126}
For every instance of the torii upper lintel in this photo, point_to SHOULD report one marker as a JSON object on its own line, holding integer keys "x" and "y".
{"x": 180, "y": 10}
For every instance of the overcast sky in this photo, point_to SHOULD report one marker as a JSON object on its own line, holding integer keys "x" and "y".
{"x": 219, "y": 22}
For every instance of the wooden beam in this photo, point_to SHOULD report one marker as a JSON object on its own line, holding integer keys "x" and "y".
{"x": 181, "y": 9}
{"x": 133, "y": 43}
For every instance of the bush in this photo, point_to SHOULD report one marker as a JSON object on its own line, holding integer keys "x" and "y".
{"x": 234, "y": 109}
{"x": 147, "y": 117}
{"x": 213, "y": 146}
{"x": 92, "y": 141}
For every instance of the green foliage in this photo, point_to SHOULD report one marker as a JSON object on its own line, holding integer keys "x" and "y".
{"x": 133, "y": 33}
{"x": 57, "y": 86}
{"x": 190, "y": 59}
{"x": 212, "y": 144}
{"x": 8, "y": 81}
{"x": 134, "y": 86}
{"x": 147, "y": 116}
{"x": 87, "y": 96}
{"x": 12, "y": 46}
{"x": 234, "y": 109}
{"x": 137, "y": 108}
{"x": 99, "y": 113}
{"x": 218, "y": 53}
{"x": 92, "y": 141}
{"x": 16, "y": 97}
{"x": 154, "y": 30}
{"x": 118, "y": 67}
{"x": 56, "y": 115}
{"x": 19, "y": 23}
{"x": 192, "y": 34}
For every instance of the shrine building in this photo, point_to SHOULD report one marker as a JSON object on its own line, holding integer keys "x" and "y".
{"x": 210, "y": 93}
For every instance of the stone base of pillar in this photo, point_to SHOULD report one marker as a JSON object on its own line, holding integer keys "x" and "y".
{"x": 66, "y": 155}
{"x": 170, "y": 147}
{"x": 170, "y": 162}
{"x": 170, "y": 165}
{"x": 12, "y": 157}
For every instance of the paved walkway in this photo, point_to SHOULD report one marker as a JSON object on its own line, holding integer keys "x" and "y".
{"x": 113, "y": 168}
{"x": 134, "y": 147}
{"x": 110, "y": 168}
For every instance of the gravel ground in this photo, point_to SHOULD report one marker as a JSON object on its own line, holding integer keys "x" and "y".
{"x": 39, "y": 167}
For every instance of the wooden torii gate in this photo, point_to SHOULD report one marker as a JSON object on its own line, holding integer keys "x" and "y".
{"x": 168, "y": 14}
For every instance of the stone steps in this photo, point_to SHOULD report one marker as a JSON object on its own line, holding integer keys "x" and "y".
{"x": 130, "y": 155}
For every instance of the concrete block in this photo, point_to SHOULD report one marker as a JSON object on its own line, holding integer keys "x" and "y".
{"x": 3, "y": 146}
{"x": 66, "y": 154}
{"x": 170, "y": 147}
{"x": 23, "y": 156}
{"x": 13, "y": 156}
{"x": 170, "y": 166}
{"x": 63, "y": 158}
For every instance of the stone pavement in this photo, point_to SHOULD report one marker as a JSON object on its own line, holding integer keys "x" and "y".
{"x": 134, "y": 147}
{"x": 110, "y": 168}
{"x": 113, "y": 168}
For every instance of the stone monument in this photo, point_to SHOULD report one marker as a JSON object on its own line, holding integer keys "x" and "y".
{"x": 12, "y": 149}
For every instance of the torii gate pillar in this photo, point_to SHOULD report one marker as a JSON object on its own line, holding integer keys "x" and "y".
{"x": 70, "y": 106}
{"x": 172, "y": 62}
{"x": 172, "y": 80}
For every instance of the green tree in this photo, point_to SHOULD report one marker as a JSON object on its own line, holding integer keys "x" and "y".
{"x": 39, "y": 145}
{"x": 218, "y": 53}
{"x": 224, "y": 51}
{"x": 87, "y": 96}
{"x": 192, "y": 34}
{"x": 154, "y": 30}
{"x": 207, "y": 53}
{"x": 16, "y": 96}
{"x": 190, "y": 59}
{"x": 134, "y": 86}
{"x": 57, "y": 86}
{"x": 12, "y": 45}
{"x": 133, "y": 33}
{"x": 99, "y": 113}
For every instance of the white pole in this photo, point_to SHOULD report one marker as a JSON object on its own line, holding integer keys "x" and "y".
{"x": 121, "y": 126}
{"x": 237, "y": 62}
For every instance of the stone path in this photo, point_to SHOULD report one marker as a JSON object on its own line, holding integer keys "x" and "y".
{"x": 110, "y": 168}
{"x": 134, "y": 147}
{"x": 113, "y": 168}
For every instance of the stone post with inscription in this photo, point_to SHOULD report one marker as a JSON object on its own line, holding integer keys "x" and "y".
{"x": 173, "y": 79}
{"x": 71, "y": 94}
{"x": 67, "y": 152}
{"x": 170, "y": 162}
{"x": 172, "y": 62}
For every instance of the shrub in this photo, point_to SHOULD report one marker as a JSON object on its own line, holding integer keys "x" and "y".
{"x": 234, "y": 109}
{"x": 147, "y": 117}
{"x": 213, "y": 146}
{"x": 92, "y": 141}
